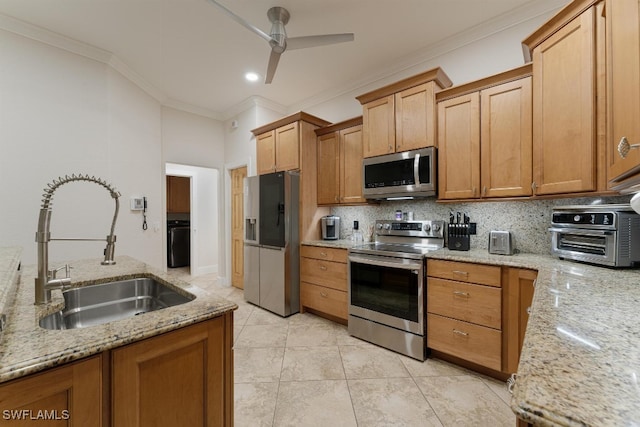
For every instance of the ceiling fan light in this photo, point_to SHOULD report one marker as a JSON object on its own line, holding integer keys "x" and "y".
{"x": 252, "y": 77}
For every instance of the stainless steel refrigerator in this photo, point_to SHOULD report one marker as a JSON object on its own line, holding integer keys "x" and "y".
{"x": 271, "y": 242}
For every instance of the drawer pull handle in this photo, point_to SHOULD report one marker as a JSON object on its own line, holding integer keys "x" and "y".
{"x": 461, "y": 294}
{"x": 324, "y": 254}
{"x": 460, "y": 273}
{"x": 323, "y": 294}
{"x": 323, "y": 268}
{"x": 456, "y": 331}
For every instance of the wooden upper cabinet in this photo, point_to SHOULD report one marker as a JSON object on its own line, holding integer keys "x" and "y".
{"x": 178, "y": 194}
{"x": 459, "y": 147}
{"x": 351, "y": 184}
{"x": 329, "y": 168}
{"x": 415, "y": 117}
{"x": 278, "y": 144}
{"x": 379, "y": 134}
{"x": 564, "y": 101}
{"x": 505, "y": 124}
{"x": 287, "y": 147}
{"x": 340, "y": 163}
{"x": 266, "y": 152}
{"x": 623, "y": 34}
{"x": 484, "y": 137}
{"x": 401, "y": 116}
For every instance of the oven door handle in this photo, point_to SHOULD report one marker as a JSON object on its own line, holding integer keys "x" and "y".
{"x": 581, "y": 232}
{"x": 404, "y": 264}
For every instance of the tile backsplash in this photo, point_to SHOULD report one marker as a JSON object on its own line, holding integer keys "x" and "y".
{"x": 527, "y": 220}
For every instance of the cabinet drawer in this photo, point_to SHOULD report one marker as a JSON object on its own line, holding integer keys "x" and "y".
{"x": 463, "y": 301}
{"x": 326, "y": 300}
{"x": 328, "y": 254}
{"x": 464, "y": 272}
{"x": 324, "y": 273}
{"x": 467, "y": 341}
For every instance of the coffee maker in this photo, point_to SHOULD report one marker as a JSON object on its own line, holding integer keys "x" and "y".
{"x": 330, "y": 227}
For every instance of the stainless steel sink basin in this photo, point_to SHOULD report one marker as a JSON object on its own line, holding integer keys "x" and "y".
{"x": 105, "y": 302}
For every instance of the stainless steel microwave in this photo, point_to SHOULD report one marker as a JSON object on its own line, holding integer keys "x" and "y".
{"x": 405, "y": 175}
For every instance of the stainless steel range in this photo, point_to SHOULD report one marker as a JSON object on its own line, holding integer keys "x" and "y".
{"x": 387, "y": 285}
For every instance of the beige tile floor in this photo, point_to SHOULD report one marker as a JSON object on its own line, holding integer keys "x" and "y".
{"x": 308, "y": 371}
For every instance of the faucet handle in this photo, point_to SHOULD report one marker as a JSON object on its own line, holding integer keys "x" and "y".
{"x": 67, "y": 271}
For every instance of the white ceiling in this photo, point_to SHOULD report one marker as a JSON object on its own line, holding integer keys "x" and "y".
{"x": 193, "y": 54}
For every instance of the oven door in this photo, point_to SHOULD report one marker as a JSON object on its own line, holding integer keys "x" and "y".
{"x": 388, "y": 290}
{"x": 595, "y": 246}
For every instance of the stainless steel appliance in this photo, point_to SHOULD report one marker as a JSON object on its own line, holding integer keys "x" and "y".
{"x": 501, "y": 242}
{"x": 178, "y": 243}
{"x": 330, "y": 227}
{"x": 599, "y": 234}
{"x": 271, "y": 244}
{"x": 387, "y": 285}
{"x": 404, "y": 175}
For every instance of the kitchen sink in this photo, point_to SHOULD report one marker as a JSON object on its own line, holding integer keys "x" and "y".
{"x": 105, "y": 302}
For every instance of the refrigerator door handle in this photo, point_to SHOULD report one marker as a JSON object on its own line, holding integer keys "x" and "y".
{"x": 277, "y": 248}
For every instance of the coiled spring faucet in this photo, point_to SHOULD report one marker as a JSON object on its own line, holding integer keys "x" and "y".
{"x": 47, "y": 280}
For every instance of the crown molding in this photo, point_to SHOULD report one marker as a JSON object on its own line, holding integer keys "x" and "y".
{"x": 193, "y": 109}
{"x": 254, "y": 101}
{"x": 394, "y": 72}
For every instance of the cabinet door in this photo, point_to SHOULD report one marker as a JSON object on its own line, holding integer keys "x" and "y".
{"x": 351, "y": 165}
{"x": 178, "y": 194}
{"x": 623, "y": 27}
{"x": 459, "y": 147}
{"x": 266, "y": 152}
{"x": 181, "y": 378}
{"x": 378, "y": 127}
{"x": 506, "y": 139}
{"x": 287, "y": 148}
{"x": 563, "y": 109}
{"x": 70, "y": 395}
{"x": 415, "y": 118}
{"x": 328, "y": 169}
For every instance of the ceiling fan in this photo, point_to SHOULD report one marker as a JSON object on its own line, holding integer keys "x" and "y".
{"x": 277, "y": 37}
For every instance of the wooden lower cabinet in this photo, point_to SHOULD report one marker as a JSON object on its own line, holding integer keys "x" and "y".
{"x": 70, "y": 395}
{"x": 478, "y": 313}
{"x": 323, "y": 281}
{"x": 179, "y": 378}
{"x": 183, "y": 377}
{"x": 477, "y": 344}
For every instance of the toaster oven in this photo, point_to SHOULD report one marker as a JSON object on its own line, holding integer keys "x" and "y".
{"x": 606, "y": 235}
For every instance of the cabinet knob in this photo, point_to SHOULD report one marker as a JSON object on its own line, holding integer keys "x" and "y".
{"x": 624, "y": 147}
{"x": 323, "y": 294}
{"x": 323, "y": 268}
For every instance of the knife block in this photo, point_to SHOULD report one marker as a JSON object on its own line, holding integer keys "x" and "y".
{"x": 459, "y": 237}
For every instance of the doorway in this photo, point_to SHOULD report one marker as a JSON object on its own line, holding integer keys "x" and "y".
{"x": 237, "y": 226}
{"x": 203, "y": 216}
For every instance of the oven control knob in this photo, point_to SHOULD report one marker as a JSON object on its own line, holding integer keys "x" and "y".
{"x": 426, "y": 227}
{"x": 576, "y": 218}
{"x": 379, "y": 226}
{"x": 387, "y": 226}
{"x": 436, "y": 227}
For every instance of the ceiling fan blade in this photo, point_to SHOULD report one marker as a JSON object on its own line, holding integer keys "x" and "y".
{"x": 241, "y": 21}
{"x": 313, "y": 41}
{"x": 273, "y": 64}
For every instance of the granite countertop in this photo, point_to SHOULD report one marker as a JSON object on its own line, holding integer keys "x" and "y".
{"x": 28, "y": 348}
{"x": 580, "y": 364}
{"x": 9, "y": 274}
{"x": 338, "y": 244}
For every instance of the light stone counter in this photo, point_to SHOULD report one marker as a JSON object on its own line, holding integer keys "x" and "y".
{"x": 28, "y": 348}
{"x": 9, "y": 276}
{"x": 580, "y": 361}
{"x": 338, "y": 244}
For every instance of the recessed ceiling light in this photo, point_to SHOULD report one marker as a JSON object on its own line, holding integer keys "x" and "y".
{"x": 251, "y": 76}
